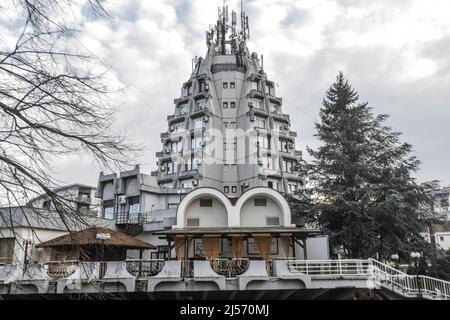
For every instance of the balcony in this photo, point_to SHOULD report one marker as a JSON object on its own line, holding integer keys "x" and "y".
{"x": 230, "y": 268}
{"x": 261, "y": 112}
{"x": 293, "y": 134}
{"x": 199, "y": 111}
{"x": 144, "y": 268}
{"x": 132, "y": 218}
{"x": 165, "y": 135}
{"x": 188, "y": 174}
{"x": 255, "y": 94}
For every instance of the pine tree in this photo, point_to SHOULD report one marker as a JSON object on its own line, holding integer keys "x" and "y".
{"x": 366, "y": 196}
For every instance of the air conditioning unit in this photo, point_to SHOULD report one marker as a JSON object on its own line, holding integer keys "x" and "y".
{"x": 162, "y": 168}
{"x": 205, "y": 119}
{"x": 171, "y": 128}
{"x": 194, "y": 182}
{"x": 122, "y": 199}
{"x": 245, "y": 184}
{"x": 252, "y": 118}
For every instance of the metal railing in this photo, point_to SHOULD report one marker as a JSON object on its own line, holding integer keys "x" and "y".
{"x": 331, "y": 268}
{"x": 230, "y": 268}
{"x": 61, "y": 269}
{"x": 409, "y": 284}
{"x": 386, "y": 276}
{"x": 144, "y": 268}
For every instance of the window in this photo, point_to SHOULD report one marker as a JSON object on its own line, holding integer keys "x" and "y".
{"x": 187, "y": 90}
{"x": 198, "y": 123}
{"x": 233, "y": 167}
{"x": 226, "y": 189}
{"x": 196, "y": 142}
{"x": 258, "y": 104}
{"x": 260, "y": 123}
{"x": 288, "y": 166}
{"x": 205, "y": 202}
{"x": 191, "y": 164}
{"x": 441, "y": 238}
{"x": 108, "y": 209}
{"x": 6, "y": 250}
{"x": 225, "y": 85}
{"x": 232, "y": 85}
{"x": 267, "y": 163}
{"x": 270, "y": 184}
{"x": 260, "y": 202}
{"x": 225, "y": 167}
{"x": 171, "y": 168}
{"x": 179, "y": 127}
{"x": 292, "y": 188}
{"x": 233, "y": 189}
{"x": 232, "y": 125}
{"x": 46, "y": 204}
{"x": 168, "y": 185}
{"x": 264, "y": 142}
{"x": 186, "y": 184}
{"x": 182, "y": 109}
{"x": 134, "y": 204}
{"x": 274, "y": 108}
{"x": 200, "y": 104}
{"x": 272, "y": 221}
{"x": 225, "y": 105}
{"x": 284, "y": 146}
{"x": 174, "y": 147}
{"x": 193, "y": 222}
{"x": 172, "y": 205}
{"x": 232, "y": 104}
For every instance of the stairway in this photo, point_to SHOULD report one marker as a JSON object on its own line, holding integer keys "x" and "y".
{"x": 409, "y": 286}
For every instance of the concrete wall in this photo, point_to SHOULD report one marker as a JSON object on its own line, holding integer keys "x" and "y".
{"x": 255, "y": 216}
{"x": 215, "y": 216}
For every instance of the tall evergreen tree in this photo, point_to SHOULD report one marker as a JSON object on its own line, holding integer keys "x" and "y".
{"x": 362, "y": 175}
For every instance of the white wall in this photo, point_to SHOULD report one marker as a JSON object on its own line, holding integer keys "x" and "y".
{"x": 252, "y": 216}
{"x": 215, "y": 216}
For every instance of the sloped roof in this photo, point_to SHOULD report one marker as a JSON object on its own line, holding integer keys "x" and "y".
{"x": 97, "y": 236}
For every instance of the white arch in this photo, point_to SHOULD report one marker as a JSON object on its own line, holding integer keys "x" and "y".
{"x": 266, "y": 192}
{"x": 202, "y": 193}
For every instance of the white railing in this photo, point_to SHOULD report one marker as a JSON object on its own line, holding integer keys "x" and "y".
{"x": 331, "y": 268}
{"x": 386, "y": 276}
{"x": 409, "y": 284}
{"x": 230, "y": 268}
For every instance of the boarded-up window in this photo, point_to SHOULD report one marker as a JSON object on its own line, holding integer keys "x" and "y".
{"x": 205, "y": 202}
{"x": 260, "y": 202}
{"x": 6, "y": 250}
{"x": 193, "y": 222}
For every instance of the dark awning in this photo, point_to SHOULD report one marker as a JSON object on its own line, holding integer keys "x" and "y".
{"x": 247, "y": 231}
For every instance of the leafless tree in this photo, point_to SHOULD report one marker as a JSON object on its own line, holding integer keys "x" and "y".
{"x": 52, "y": 104}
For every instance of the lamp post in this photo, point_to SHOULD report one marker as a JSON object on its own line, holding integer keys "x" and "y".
{"x": 415, "y": 256}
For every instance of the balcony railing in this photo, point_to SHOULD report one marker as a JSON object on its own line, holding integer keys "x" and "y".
{"x": 144, "y": 268}
{"x": 331, "y": 268}
{"x": 230, "y": 268}
{"x": 132, "y": 218}
{"x": 61, "y": 269}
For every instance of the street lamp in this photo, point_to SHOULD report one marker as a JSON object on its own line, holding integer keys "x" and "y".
{"x": 415, "y": 256}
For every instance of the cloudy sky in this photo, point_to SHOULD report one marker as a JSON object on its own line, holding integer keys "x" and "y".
{"x": 395, "y": 53}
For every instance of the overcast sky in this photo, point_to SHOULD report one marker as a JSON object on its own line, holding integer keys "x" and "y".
{"x": 396, "y": 54}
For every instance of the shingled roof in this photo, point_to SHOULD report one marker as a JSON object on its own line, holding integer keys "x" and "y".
{"x": 97, "y": 236}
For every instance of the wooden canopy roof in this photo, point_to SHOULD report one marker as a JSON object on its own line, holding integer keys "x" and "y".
{"x": 97, "y": 236}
